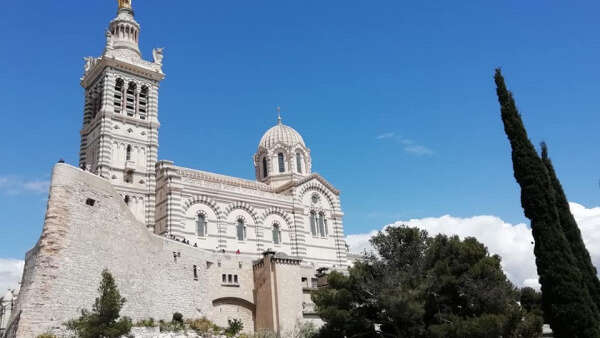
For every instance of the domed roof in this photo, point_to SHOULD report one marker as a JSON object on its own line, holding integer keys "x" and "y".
{"x": 281, "y": 134}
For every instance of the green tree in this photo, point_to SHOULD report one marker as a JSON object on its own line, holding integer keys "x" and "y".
{"x": 104, "y": 320}
{"x": 565, "y": 297}
{"x": 572, "y": 233}
{"x": 418, "y": 286}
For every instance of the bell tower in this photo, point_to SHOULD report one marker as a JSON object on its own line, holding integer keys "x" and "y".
{"x": 119, "y": 137}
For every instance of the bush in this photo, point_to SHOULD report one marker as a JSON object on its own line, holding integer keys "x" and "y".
{"x": 46, "y": 335}
{"x": 177, "y": 318}
{"x": 235, "y": 327}
{"x": 145, "y": 323}
{"x": 203, "y": 326}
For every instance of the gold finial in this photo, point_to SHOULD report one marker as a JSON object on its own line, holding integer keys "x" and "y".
{"x": 124, "y": 4}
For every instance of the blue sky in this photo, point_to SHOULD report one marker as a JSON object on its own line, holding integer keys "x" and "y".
{"x": 395, "y": 99}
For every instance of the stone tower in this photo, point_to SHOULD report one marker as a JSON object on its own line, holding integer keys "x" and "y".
{"x": 119, "y": 137}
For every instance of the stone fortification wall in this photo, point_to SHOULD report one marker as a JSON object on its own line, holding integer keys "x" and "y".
{"x": 79, "y": 240}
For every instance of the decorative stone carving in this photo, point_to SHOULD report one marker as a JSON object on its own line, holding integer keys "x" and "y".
{"x": 157, "y": 54}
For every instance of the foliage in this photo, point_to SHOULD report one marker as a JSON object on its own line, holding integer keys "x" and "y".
{"x": 203, "y": 326}
{"x": 177, "y": 318}
{"x": 235, "y": 327}
{"x": 418, "y": 286}
{"x": 146, "y": 323}
{"x": 46, "y": 335}
{"x": 568, "y": 288}
{"x": 572, "y": 233}
{"x": 171, "y": 326}
{"x": 103, "y": 320}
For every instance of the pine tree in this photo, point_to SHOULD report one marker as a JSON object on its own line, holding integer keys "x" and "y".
{"x": 572, "y": 233}
{"x": 565, "y": 298}
{"x": 103, "y": 321}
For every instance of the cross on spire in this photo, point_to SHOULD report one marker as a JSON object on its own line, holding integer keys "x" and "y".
{"x": 278, "y": 115}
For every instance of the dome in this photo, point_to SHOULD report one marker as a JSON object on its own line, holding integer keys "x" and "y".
{"x": 281, "y": 134}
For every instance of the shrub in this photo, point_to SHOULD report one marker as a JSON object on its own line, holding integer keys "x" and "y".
{"x": 46, "y": 335}
{"x": 177, "y": 318}
{"x": 145, "y": 323}
{"x": 203, "y": 326}
{"x": 235, "y": 327}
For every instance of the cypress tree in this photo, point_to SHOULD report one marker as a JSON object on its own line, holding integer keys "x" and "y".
{"x": 565, "y": 298}
{"x": 572, "y": 233}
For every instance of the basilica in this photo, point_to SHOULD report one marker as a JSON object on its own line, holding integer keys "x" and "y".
{"x": 176, "y": 239}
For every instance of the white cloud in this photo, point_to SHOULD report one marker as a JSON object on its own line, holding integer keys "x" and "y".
{"x": 10, "y": 274}
{"x": 511, "y": 242}
{"x": 385, "y": 135}
{"x": 407, "y": 145}
{"x": 418, "y": 149}
{"x": 14, "y": 185}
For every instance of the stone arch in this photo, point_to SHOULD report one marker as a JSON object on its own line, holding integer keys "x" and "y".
{"x": 314, "y": 186}
{"x": 277, "y": 211}
{"x": 201, "y": 199}
{"x": 243, "y": 206}
{"x": 235, "y": 301}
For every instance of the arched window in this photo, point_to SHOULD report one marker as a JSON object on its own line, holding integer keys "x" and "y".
{"x": 128, "y": 153}
{"x": 276, "y": 234}
{"x": 313, "y": 223}
{"x": 143, "y": 103}
{"x": 322, "y": 231}
{"x": 118, "y": 96}
{"x": 130, "y": 101}
{"x": 281, "y": 163}
{"x": 299, "y": 163}
{"x": 201, "y": 225}
{"x": 241, "y": 230}
{"x": 265, "y": 168}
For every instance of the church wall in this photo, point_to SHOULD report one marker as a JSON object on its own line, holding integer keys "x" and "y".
{"x": 78, "y": 241}
{"x": 226, "y": 199}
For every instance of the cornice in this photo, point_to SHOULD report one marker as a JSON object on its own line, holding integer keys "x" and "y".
{"x": 308, "y": 178}
{"x": 229, "y": 180}
{"x": 135, "y": 66}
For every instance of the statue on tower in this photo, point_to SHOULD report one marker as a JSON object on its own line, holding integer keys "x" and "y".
{"x": 157, "y": 54}
{"x": 124, "y": 4}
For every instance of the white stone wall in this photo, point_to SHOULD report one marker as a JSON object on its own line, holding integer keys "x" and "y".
{"x": 183, "y": 194}
{"x": 78, "y": 241}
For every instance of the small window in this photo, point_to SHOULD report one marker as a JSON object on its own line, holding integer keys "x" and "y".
{"x": 224, "y": 277}
{"x": 276, "y": 234}
{"x": 322, "y": 231}
{"x": 229, "y": 279}
{"x": 126, "y": 199}
{"x": 265, "y": 168}
{"x": 241, "y": 230}
{"x": 299, "y": 163}
{"x": 201, "y": 225}
{"x": 90, "y": 202}
{"x": 313, "y": 223}
{"x": 314, "y": 283}
{"x": 128, "y": 153}
{"x": 195, "y": 273}
{"x": 281, "y": 162}
{"x": 129, "y": 177}
{"x": 235, "y": 279}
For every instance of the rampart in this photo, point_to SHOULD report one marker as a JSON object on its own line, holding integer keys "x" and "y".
{"x": 89, "y": 228}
